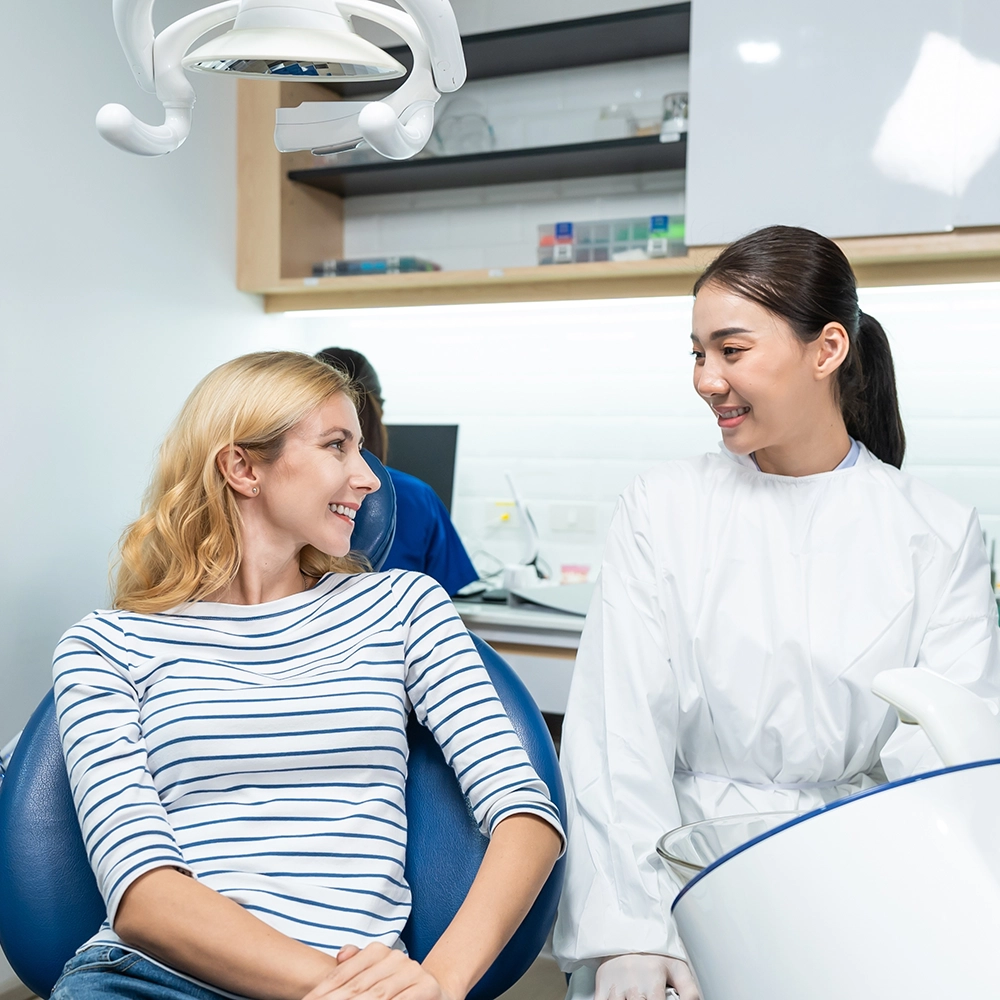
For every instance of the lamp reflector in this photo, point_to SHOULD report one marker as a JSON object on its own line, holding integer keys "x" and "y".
{"x": 294, "y": 53}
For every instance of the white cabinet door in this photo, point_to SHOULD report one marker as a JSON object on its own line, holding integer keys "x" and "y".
{"x": 788, "y": 101}
{"x": 979, "y": 204}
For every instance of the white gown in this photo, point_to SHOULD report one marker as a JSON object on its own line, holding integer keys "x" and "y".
{"x": 726, "y": 663}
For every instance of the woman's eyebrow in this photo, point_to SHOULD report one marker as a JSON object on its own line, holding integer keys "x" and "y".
{"x": 724, "y": 332}
{"x": 338, "y": 430}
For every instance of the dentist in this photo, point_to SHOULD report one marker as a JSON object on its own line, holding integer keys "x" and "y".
{"x": 747, "y": 600}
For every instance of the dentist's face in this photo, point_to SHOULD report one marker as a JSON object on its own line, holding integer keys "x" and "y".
{"x": 753, "y": 371}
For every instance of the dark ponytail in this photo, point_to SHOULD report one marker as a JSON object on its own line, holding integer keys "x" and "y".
{"x": 867, "y": 383}
{"x": 806, "y": 279}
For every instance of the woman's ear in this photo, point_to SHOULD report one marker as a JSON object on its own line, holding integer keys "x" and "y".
{"x": 238, "y": 470}
{"x": 831, "y": 348}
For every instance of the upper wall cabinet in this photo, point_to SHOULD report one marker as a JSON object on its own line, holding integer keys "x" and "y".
{"x": 876, "y": 123}
{"x": 854, "y": 118}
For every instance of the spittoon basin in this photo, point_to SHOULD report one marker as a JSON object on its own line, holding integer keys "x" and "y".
{"x": 890, "y": 894}
{"x": 690, "y": 849}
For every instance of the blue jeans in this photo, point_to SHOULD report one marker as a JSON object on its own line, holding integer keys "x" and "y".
{"x": 103, "y": 973}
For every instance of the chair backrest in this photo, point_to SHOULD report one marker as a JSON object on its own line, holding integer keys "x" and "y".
{"x": 445, "y": 847}
{"x": 49, "y": 902}
{"x": 375, "y": 524}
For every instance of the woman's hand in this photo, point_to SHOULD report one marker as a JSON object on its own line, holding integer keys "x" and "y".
{"x": 643, "y": 977}
{"x": 378, "y": 973}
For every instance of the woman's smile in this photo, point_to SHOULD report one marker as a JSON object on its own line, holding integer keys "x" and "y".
{"x": 346, "y": 511}
{"x": 731, "y": 416}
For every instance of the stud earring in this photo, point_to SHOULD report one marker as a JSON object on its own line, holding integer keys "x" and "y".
{"x": 255, "y": 489}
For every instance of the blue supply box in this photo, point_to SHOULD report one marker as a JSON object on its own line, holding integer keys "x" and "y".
{"x": 612, "y": 240}
{"x": 372, "y": 265}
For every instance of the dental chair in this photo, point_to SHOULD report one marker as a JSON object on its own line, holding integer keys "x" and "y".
{"x": 49, "y": 901}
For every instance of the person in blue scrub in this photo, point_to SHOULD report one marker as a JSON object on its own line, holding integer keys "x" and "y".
{"x": 426, "y": 540}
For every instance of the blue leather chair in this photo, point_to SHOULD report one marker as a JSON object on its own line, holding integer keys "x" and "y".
{"x": 49, "y": 902}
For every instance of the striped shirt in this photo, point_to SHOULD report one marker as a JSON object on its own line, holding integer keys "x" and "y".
{"x": 262, "y": 748}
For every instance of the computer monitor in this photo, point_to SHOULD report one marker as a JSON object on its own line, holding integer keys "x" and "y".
{"x": 426, "y": 451}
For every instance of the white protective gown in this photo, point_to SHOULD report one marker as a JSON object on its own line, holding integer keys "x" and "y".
{"x": 726, "y": 664}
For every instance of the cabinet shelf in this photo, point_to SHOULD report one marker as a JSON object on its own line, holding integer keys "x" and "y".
{"x": 589, "y": 41}
{"x": 664, "y": 276}
{"x": 508, "y": 166}
{"x": 933, "y": 258}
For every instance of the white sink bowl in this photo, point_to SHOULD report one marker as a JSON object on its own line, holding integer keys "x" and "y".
{"x": 891, "y": 894}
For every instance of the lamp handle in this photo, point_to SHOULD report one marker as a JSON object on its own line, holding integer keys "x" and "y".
{"x": 115, "y": 122}
{"x": 400, "y": 125}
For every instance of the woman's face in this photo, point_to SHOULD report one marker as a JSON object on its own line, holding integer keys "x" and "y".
{"x": 765, "y": 386}
{"x": 310, "y": 494}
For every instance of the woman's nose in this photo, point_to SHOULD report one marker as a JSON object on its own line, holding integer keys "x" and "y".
{"x": 709, "y": 381}
{"x": 362, "y": 477}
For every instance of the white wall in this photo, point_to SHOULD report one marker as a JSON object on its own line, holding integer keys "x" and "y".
{"x": 116, "y": 294}
{"x": 576, "y": 398}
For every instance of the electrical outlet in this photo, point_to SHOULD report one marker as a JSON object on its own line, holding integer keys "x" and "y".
{"x": 579, "y": 518}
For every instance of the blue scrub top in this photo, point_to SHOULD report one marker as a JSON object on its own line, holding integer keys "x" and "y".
{"x": 426, "y": 539}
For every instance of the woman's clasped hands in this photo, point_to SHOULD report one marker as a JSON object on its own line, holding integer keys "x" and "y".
{"x": 377, "y": 972}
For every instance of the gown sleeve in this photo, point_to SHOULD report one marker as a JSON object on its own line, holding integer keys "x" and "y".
{"x": 618, "y": 749}
{"x": 961, "y": 642}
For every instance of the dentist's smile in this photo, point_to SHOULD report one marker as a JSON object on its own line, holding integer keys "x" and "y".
{"x": 732, "y": 416}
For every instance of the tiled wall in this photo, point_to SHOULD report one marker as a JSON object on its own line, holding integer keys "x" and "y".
{"x": 576, "y": 398}
{"x": 497, "y": 227}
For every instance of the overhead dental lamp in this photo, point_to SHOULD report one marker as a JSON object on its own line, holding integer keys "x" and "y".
{"x": 307, "y": 40}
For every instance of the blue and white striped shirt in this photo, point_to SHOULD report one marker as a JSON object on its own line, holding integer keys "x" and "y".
{"x": 262, "y": 748}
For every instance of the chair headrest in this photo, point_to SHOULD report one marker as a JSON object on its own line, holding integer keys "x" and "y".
{"x": 375, "y": 524}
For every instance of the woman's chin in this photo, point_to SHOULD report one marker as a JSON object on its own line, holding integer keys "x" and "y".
{"x": 334, "y": 548}
{"x": 738, "y": 443}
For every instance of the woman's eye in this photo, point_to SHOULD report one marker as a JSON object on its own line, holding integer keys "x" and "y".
{"x": 730, "y": 351}
{"x": 338, "y": 444}
{"x": 697, "y": 355}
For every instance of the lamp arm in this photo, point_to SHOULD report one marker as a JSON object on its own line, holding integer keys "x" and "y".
{"x": 118, "y": 125}
{"x": 134, "y": 26}
{"x": 437, "y": 24}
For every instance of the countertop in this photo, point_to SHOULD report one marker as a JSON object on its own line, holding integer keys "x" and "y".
{"x": 518, "y": 616}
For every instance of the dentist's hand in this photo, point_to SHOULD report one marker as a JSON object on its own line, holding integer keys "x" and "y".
{"x": 377, "y": 973}
{"x": 643, "y": 977}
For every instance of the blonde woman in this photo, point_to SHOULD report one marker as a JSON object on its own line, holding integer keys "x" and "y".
{"x": 234, "y": 729}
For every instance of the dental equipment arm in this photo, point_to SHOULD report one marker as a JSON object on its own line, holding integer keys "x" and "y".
{"x": 533, "y": 551}
{"x": 156, "y": 63}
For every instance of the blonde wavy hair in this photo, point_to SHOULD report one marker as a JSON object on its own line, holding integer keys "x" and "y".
{"x": 187, "y": 544}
